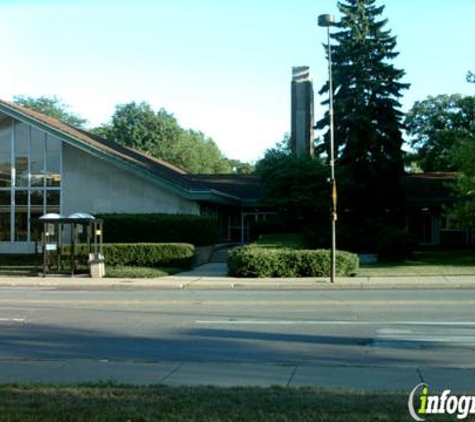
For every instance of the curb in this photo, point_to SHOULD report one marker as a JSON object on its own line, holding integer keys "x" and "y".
{"x": 228, "y": 283}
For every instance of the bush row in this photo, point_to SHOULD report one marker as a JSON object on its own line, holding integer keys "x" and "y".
{"x": 160, "y": 228}
{"x": 256, "y": 261}
{"x": 145, "y": 254}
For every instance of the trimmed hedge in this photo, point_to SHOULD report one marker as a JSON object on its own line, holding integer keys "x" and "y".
{"x": 257, "y": 261}
{"x": 160, "y": 228}
{"x": 144, "y": 254}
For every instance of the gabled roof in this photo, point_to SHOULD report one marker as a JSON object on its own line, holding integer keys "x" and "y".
{"x": 200, "y": 188}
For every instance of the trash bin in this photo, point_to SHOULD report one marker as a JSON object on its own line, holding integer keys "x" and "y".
{"x": 96, "y": 265}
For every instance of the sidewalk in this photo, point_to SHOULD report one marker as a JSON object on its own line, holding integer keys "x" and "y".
{"x": 214, "y": 276}
{"x": 225, "y": 374}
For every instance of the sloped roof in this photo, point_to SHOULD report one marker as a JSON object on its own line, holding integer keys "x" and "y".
{"x": 424, "y": 189}
{"x": 214, "y": 188}
{"x": 247, "y": 187}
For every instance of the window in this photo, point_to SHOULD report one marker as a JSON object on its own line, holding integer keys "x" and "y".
{"x": 37, "y": 158}
{"x": 21, "y": 215}
{"x": 53, "y": 162}
{"x": 5, "y": 153}
{"x": 450, "y": 223}
{"x": 30, "y": 178}
{"x": 5, "y": 207}
{"x": 21, "y": 146}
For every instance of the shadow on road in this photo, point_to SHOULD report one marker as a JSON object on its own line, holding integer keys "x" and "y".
{"x": 212, "y": 345}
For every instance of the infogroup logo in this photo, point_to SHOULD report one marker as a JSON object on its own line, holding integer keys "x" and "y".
{"x": 421, "y": 403}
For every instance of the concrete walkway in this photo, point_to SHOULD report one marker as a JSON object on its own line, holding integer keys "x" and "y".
{"x": 235, "y": 374}
{"x": 214, "y": 276}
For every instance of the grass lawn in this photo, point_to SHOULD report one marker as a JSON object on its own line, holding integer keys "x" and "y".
{"x": 428, "y": 263}
{"x": 109, "y": 402}
{"x": 287, "y": 240}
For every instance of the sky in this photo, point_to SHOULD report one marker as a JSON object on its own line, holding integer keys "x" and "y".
{"x": 221, "y": 67}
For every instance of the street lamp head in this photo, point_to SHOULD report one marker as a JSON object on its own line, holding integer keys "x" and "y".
{"x": 326, "y": 20}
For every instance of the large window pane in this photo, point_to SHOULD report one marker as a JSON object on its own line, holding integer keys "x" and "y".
{"x": 52, "y": 197}
{"x": 21, "y": 226}
{"x": 5, "y": 153}
{"x": 36, "y": 211}
{"x": 37, "y": 158}
{"x": 53, "y": 201}
{"x": 5, "y": 170}
{"x": 5, "y": 207}
{"x": 21, "y": 168}
{"x": 53, "y": 161}
{"x": 37, "y": 200}
{"x": 21, "y": 215}
{"x": 21, "y": 145}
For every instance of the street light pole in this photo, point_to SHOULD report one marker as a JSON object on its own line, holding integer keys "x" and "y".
{"x": 327, "y": 21}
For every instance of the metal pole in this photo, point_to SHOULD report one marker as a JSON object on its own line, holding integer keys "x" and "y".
{"x": 332, "y": 163}
{"x": 45, "y": 250}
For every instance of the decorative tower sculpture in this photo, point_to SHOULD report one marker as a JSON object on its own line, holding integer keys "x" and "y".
{"x": 302, "y": 111}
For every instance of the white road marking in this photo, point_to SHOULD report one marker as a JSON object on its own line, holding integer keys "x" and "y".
{"x": 237, "y": 321}
{"x": 12, "y": 319}
{"x": 427, "y": 335}
{"x": 205, "y": 302}
{"x": 451, "y": 332}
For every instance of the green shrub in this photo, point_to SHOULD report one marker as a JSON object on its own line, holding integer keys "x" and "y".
{"x": 160, "y": 228}
{"x": 257, "y": 261}
{"x": 144, "y": 254}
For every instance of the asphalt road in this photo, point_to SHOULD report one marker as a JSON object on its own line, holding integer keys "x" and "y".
{"x": 390, "y": 328}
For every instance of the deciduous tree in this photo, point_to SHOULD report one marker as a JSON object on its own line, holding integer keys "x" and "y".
{"x": 52, "y": 107}
{"x": 138, "y": 126}
{"x": 438, "y": 125}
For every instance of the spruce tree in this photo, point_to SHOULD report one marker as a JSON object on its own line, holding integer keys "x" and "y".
{"x": 368, "y": 123}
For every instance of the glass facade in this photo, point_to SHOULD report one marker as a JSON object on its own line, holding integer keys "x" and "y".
{"x": 30, "y": 178}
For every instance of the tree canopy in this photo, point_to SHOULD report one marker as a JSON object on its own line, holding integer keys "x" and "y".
{"x": 464, "y": 210}
{"x": 52, "y": 107}
{"x": 471, "y": 77}
{"x": 296, "y": 187}
{"x": 438, "y": 126}
{"x": 138, "y": 126}
{"x": 157, "y": 133}
{"x": 368, "y": 122}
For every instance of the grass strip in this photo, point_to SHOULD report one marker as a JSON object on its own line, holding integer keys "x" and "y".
{"x": 111, "y": 402}
{"x": 139, "y": 272}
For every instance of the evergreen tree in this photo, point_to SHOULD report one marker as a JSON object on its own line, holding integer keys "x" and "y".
{"x": 368, "y": 123}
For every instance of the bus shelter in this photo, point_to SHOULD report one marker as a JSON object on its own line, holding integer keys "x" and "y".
{"x": 81, "y": 229}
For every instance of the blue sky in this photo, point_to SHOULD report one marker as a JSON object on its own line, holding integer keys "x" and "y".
{"x": 222, "y": 67}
